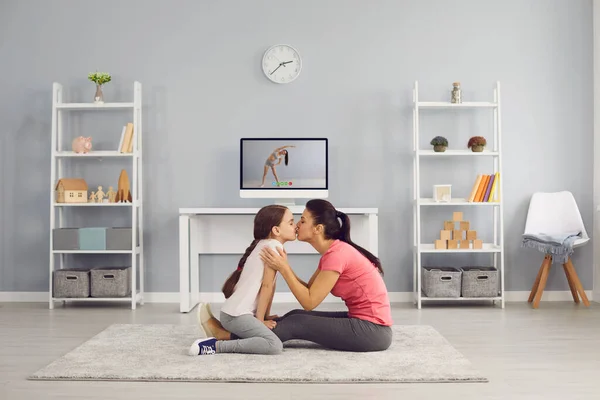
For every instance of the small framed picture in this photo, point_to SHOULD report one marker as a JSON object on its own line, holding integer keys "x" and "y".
{"x": 442, "y": 193}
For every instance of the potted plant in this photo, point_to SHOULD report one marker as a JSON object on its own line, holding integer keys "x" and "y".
{"x": 99, "y": 78}
{"x": 439, "y": 144}
{"x": 477, "y": 143}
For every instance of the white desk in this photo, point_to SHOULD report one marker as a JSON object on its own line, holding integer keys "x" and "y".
{"x": 229, "y": 231}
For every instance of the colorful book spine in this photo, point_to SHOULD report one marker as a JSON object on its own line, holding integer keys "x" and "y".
{"x": 486, "y": 197}
{"x": 482, "y": 187}
{"x": 474, "y": 189}
{"x": 495, "y": 187}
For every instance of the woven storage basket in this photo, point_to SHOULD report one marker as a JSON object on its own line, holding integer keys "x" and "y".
{"x": 441, "y": 281}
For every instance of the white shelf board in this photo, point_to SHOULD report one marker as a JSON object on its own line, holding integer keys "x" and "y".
{"x": 93, "y": 204}
{"x": 468, "y": 104}
{"x": 137, "y": 250}
{"x": 96, "y": 299}
{"x": 423, "y": 298}
{"x": 457, "y": 202}
{"x": 92, "y": 106}
{"x": 487, "y": 248}
{"x": 92, "y": 154}
{"x": 450, "y": 153}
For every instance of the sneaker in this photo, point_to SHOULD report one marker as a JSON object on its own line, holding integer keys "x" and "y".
{"x": 204, "y": 314}
{"x": 203, "y": 347}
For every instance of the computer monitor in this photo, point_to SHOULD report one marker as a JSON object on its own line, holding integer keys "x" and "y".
{"x": 284, "y": 168}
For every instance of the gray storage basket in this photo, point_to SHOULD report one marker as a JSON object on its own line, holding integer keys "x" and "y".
{"x": 441, "y": 281}
{"x": 71, "y": 282}
{"x": 479, "y": 282}
{"x": 111, "y": 281}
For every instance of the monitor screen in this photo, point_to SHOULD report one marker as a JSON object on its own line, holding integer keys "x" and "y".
{"x": 283, "y": 164}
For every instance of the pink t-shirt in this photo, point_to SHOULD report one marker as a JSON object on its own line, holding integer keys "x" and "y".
{"x": 360, "y": 284}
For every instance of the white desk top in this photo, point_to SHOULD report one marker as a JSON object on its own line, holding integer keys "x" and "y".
{"x": 241, "y": 211}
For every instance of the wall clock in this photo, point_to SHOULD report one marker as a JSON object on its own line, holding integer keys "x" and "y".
{"x": 281, "y": 63}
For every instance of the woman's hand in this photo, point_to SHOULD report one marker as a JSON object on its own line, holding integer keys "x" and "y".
{"x": 272, "y": 317}
{"x": 277, "y": 261}
{"x": 270, "y": 324}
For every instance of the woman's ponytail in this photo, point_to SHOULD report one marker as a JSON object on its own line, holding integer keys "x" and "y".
{"x": 344, "y": 236}
{"x": 324, "y": 213}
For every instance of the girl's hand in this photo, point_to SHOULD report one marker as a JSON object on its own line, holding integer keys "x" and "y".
{"x": 277, "y": 261}
{"x": 270, "y": 324}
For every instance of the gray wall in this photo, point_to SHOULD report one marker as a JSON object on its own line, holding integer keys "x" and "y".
{"x": 199, "y": 63}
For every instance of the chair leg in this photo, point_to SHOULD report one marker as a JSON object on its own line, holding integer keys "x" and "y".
{"x": 543, "y": 278}
{"x": 537, "y": 282}
{"x": 577, "y": 283}
{"x": 571, "y": 283}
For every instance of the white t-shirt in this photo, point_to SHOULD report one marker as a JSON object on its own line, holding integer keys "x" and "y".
{"x": 244, "y": 299}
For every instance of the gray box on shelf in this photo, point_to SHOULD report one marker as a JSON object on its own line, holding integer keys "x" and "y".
{"x": 441, "y": 281}
{"x": 118, "y": 239}
{"x": 111, "y": 281}
{"x": 71, "y": 282}
{"x": 65, "y": 239}
{"x": 479, "y": 282}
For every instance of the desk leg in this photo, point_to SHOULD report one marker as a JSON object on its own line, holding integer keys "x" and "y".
{"x": 184, "y": 263}
{"x": 194, "y": 262}
{"x": 374, "y": 234}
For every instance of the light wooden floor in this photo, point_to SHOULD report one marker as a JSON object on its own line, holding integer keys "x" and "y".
{"x": 549, "y": 353}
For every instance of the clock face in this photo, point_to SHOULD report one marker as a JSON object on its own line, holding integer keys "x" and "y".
{"x": 281, "y": 63}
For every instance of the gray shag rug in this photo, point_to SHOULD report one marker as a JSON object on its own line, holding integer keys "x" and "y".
{"x": 133, "y": 352}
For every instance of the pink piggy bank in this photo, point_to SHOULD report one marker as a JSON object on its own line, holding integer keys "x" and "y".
{"x": 81, "y": 144}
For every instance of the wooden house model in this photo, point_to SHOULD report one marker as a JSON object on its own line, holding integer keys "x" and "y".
{"x": 71, "y": 190}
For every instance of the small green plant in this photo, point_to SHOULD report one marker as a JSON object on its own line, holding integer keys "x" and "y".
{"x": 439, "y": 141}
{"x": 476, "y": 141}
{"x": 100, "y": 78}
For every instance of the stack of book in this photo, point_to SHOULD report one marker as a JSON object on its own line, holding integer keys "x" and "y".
{"x": 126, "y": 142}
{"x": 485, "y": 189}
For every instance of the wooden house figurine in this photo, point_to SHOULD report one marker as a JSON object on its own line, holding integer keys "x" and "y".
{"x": 71, "y": 190}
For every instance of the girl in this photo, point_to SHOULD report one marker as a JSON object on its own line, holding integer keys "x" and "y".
{"x": 249, "y": 292}
{"x": 270, "y": 163}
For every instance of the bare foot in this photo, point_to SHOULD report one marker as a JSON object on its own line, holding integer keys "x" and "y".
{"x": 217, "y": 329}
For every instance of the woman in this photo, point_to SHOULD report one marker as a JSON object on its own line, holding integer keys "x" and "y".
{"x": 270, "y": 163}
{"x": 345, "y": 270}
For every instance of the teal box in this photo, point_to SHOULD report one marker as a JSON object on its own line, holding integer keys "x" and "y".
{"x": 92, "y": 238}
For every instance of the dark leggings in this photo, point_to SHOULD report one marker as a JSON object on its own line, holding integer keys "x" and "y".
{"x": 333, "y": 330}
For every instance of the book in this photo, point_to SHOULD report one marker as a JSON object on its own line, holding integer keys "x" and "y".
{"x": 474, "y": 189}
{"x": 493, "y": 193}
{"x": 131, "y": 142}
{"x": 127, "y": 141}
{"x": 121, "y": 141}
{"x": 481, "y": 189}
{"x": 486, "y": 197}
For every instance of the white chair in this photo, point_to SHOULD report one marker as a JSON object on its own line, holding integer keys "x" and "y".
{"x": 555, "y": 213}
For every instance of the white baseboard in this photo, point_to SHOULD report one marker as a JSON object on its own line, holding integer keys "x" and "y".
{"x": 24, "y": 297}
{"x": 286, "y": 297}
{"x": 548, "y": 295}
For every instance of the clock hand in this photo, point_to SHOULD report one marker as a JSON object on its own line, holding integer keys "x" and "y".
{"x": 275, "y": 69}
{"x": 287, "y": 62}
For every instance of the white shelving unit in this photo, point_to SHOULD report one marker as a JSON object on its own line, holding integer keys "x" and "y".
{"x": 494, "y": 249}
{"x": 58, "y": 210}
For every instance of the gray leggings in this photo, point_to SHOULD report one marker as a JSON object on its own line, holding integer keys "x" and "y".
{"x": 252, "y": 336}
{"x": 334, "y": 330}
